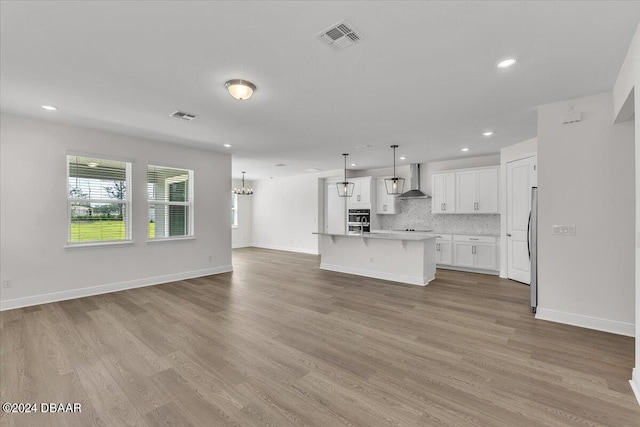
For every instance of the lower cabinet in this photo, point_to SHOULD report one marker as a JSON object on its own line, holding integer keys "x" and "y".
{"x": 476, "y": 252}
{"x": 444, "y": 250}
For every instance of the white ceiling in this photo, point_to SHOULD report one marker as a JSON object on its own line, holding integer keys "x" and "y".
{"x": 423, "y": 76}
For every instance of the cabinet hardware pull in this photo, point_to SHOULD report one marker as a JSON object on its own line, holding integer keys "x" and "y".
{"x": 445, "y": 206}
{"x": 508, "y": 235}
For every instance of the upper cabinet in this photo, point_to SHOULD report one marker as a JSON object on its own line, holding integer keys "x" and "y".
{"x": 477, "y": 191}
{"x": 444, "y": 192}
{"x": 468, "y": 191}
{"x": 361, "y": 198}
{"x": 386, "y": 204}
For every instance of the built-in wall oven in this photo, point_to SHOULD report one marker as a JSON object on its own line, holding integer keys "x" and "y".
{"x": 359, "y": 221}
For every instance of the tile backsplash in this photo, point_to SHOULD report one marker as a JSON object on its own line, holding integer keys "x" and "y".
{"x": 416, "y": 213}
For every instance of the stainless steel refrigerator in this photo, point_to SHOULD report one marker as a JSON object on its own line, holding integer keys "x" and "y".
{"x": 532, "y": 240}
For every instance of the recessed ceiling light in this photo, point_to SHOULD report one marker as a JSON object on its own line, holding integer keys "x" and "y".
{"x": 226, "y": 145}
{"x": 50, "y": 108}
{"x": 354, "y": 164}
{"x": 240, "y": 89}
{"x": 506, "y": 63}
{"x": 93, "y": 164}
{"x": 464, "y": 149}
{"x": 402, "y": 158}
{"x": 487, "y": 133}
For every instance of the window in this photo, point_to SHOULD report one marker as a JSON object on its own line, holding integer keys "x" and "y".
{"x": 98, "y": 200}
{"x": 170, "y": 193}
{"x": 234, "y": 210}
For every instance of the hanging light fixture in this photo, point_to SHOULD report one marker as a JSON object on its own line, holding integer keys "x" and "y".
{"x": 394, "y": 185}
{"x": 240, "y": 89}
{"x": 345, "y": 188}
{"x": 243, "y": 191}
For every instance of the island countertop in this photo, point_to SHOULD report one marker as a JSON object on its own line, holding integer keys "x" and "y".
{"x": 381, "y": 236}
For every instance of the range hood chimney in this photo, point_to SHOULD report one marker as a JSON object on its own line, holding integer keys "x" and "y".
{"x": 414, "y": 192}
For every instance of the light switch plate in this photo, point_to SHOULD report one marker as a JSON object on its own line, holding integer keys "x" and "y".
{"x": 564, "y": 230}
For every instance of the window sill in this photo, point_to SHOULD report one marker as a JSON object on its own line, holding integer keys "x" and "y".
{"x": 97, "y": 244}
{"x": 170, "y": 239}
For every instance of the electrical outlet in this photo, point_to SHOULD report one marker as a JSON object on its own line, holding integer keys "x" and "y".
{"x": 564, "y": 230}
{"x": 6, "y": 283}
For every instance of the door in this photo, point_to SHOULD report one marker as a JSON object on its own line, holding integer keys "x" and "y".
{"x": 444, "y": 253}
{"x": 521, "y": 176}
{"x": 444, "y": 188}
{"x": 463, "y": 254}
{"x": 466, "y": 183}
{"x": 485, "y": 256}
{"x": 335, "y": 213}
{"x": 487, "y": 191}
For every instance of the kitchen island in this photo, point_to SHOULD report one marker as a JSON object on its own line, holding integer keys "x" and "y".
{"x": 396, "y": 257}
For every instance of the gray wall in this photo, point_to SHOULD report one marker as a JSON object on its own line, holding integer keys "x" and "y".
{"x": 586, "y": 178}
{"x": 33, "y": 215}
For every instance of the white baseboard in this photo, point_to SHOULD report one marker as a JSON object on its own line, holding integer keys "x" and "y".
{"x": 605, "y": 325}
{"x": 635, "y": 383}
{"x": 411, "y": 280}
{"x": 285, "y": 248}
{"x": 241, "y": 245}
{"x": 111, "y": 287}
{"x": 466, "y": 269}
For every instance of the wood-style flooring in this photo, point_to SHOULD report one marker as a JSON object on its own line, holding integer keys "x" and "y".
{"x": 279, "y": 342}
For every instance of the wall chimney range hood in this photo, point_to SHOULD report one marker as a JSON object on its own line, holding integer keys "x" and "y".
{"x": 415, "y": 192}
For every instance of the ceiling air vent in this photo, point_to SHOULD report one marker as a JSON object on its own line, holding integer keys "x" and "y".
{"x": 183, "y": 116}
{"x": 339, "y": 36}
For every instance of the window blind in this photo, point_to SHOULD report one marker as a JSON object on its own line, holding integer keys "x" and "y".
{"x": 98, "y": 199}
{"x": 170, "y": 195}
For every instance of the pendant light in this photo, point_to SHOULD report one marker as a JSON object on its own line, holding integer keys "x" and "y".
{"x": 243, "y": 191}
{"x": 394, "y": 185}
{"x": 345, "y": 188}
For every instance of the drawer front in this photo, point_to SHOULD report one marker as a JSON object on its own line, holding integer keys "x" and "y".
{"x": 476, "y": 239}
{"x": 441, "y": 236}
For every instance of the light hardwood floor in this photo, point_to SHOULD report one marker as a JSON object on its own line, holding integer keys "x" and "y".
{"x": 279, "y": 342}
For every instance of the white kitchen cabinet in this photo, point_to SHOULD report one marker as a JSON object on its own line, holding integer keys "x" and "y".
{"x": 477, "y": 191}
{"x": 361, "y": 198}
{"x": 386, "y": 204}
{"x": 475, "y": 252}
{"x": 444, "y": 250}
{"x": 444, "y": 192}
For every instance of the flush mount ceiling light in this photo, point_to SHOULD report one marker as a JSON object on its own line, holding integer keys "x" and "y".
{"x": 402, "y": 158}
{"x": 354, "y": 164}
{"x": 345, "y": 188}
{"x": 394, "y": 185}
{"x": 50, "y": 108}
{"x": 243, "y": 191}
{"x": 240, "y": 89}
{"x": 506, "y": 63}
{"x": 487, "y": 133}
{"x": 464, "y": 149}
{"x": 226, "y": 145}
